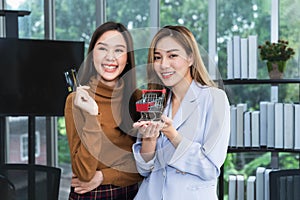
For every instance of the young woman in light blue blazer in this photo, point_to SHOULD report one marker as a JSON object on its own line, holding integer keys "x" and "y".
{"x": 181, "y": 155}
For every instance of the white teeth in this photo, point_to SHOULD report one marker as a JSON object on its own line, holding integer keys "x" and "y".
{"x": 109, "y": 66}
{"x": 167, "y": 73}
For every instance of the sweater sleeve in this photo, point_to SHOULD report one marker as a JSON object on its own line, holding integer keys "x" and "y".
{"x": 87, "y": 141}
{"x": 84, "y": 164}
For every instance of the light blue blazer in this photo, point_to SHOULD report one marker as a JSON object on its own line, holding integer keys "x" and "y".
{"x": 191, "y": 170}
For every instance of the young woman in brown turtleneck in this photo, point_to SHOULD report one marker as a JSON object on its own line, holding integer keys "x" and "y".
{"x": 99, "y": 118}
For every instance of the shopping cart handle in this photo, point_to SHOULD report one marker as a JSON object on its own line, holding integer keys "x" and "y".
{"x": 162, "y": 91}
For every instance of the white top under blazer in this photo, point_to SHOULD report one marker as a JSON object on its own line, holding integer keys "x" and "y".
{"x": 191, "y": 170}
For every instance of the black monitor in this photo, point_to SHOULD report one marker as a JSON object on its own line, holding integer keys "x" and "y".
{"x": 32, "y": 81}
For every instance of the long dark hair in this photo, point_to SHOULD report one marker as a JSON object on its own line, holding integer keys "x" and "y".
{"x": 130, "y": 90}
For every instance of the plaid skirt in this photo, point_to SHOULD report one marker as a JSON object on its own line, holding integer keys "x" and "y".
{"x": 106, "y": 192}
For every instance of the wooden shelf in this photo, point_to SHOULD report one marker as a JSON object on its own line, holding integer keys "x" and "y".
{"x": 260, "y": 81}
{"x": 259, "y": 149}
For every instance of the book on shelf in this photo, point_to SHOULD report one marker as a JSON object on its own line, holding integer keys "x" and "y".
{"x": 247, "y": 129}
{"x": 267, "y": 184}
{"x": 252, "y": 58}
{"x": 282, "y": 187}
{"x": 229, "y": 59}
{"x": 278, "y": 125}
{"x": 263, "y": 123}
{"x": 240, "y": 109}
{"x": 240, "y": 187}
{"x": 297, "y": 126}
{"x": 250, "y": 188}
{"x": 236, "y": 57}
{"x": 296, "y": 187}
{"x": 274, "y": 93}
{"x": 288, "y": 124}
{"x": 232, "y": 187}
{"x": 255, "y": 128}
{"x": 290, "y": 188}
{"x": 260, "y": 180}
{"x": 233, "y": 135}
{"x": 244, "y": 58}
{"x": 270, "y": 125}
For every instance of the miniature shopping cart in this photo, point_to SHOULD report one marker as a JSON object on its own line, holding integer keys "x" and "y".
{"x": 151, "y": 104}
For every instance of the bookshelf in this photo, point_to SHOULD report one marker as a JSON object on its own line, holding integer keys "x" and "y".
{"x": 260, "y": 81}
{"x": 274, "y": 151}
{"x": 262, "y": 149}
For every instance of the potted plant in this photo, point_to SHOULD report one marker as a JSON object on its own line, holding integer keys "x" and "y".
{"x": 276, "y": 55}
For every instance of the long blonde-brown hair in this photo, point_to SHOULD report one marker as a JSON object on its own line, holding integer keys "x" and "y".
{"x": 186, "y": 39}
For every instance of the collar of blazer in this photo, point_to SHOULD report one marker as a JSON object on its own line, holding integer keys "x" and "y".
{"x": 188, "y": 104}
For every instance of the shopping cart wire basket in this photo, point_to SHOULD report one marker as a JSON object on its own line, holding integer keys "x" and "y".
{"x": 151, "y": 104}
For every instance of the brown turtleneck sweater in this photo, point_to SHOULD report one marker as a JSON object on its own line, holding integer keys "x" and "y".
{"x": 96, "y": 143}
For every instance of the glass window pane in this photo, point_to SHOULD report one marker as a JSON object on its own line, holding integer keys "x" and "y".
{"x": 190, "y": 13}
{"x": 289, "y": 30}
{"x": 32, "y": 25}
{"x": 244, "y": 18}
{"x": 17, "y": 128}
{"x": 75, "y": 20}
{"x": 135, "y": 16}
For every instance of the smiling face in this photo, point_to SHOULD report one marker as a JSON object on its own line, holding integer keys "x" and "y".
{"x": 110, "y": 57}
{"x": 171, "y": 63}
